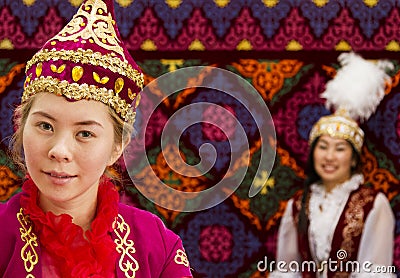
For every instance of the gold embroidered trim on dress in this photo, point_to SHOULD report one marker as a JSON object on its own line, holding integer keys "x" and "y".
{"x": 127, "y": 263}
{"x": 78, "y": 92}
{"x": 90, "y": 57}
{"x": 354, "y": 219}
{"x": 28, "y": 252}
{"x": 181, "y": 258}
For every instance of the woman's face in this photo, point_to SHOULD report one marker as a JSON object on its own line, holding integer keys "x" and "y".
{"x": 67, "y": 146}
{"x": 333, "y": 159}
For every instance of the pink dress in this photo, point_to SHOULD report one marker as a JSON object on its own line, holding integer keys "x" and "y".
{"x": 123, "y": 241}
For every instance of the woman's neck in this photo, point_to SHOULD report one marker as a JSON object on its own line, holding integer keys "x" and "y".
{"x": 329, "y": 186}
{"x": 81, "y": 210}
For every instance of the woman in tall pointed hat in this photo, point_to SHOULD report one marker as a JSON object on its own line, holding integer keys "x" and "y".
{"x": 339, "y": 226}
{"x": 76, "y": 117}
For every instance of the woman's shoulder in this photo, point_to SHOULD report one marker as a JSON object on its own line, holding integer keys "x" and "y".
{"x": 155, "y": 242}
{"x": 381, "y": 201}
{"x": 136, "y": 214}
{"x": 369, "y": 193}
{"x": 10, "y": 213}
{"x": 144, "y": 221}
{"x": 10, "y": 208}
{"x": 11, "y": 221}
{"x": 148, "y": 230}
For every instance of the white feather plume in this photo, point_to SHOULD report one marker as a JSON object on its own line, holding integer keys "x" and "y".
{"x": 358, "y": 87}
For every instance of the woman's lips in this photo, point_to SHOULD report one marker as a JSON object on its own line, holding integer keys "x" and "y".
{"x": 59, "y": 178}
{"x": 329, "y": 168}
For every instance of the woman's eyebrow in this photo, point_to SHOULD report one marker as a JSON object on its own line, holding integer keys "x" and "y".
{"x": 84, "y": 123}
{"x": 89, "y": 122}
{"x": 44, "y": 114}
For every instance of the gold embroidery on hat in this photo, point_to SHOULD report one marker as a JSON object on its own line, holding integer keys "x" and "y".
{"x": 28, "y": 252}
{"x": 77, "y": 73}
{"x": 338, "y": 126}
{"x": 61, "y": 69}
{"x": 97, "y": 78}
{"x": 98, "y": 27}
{"x": 130, "y": 94}
{"x": 54, "y": 68}
{"x": 138, "y": 98}
{"x": 181, "y": 258}
{"x": 27, "y": 80}
{"x": 38, "y": 69}
{"x": 119, "y": 85}
{"x": 80, "y": 91}
{"x": 90, "y": 57}
{"x": 127, "y": 263}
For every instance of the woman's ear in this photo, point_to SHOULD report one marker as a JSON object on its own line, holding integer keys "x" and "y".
{"x": 119, "y": 149}
{"x": 353, "y": 163}
{"x": 116, "y": 154}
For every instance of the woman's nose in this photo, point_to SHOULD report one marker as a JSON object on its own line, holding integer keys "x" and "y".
{"x": 329, "y": 154}
{"x": 60, "y": 150}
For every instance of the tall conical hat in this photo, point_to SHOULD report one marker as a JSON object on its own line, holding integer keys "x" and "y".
{"x": 354, "y": 93}
{"x": 88, "y": 60}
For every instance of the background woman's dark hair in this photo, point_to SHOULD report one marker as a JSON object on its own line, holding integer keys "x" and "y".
{"x": 312, "y": 177}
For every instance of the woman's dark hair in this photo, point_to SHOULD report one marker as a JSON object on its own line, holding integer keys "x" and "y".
{"x": 312, "y": 177}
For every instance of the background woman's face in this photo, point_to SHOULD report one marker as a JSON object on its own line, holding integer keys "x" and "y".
{"x": 67, "y": 146}
{"x": 333, "y": 159}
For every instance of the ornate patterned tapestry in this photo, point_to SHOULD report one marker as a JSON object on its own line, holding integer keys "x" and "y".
{"x": 287, "y": 50}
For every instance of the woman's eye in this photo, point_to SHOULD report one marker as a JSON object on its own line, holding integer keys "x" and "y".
{"x": 45, "y": 126}
{"x": 85, "y": 134}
